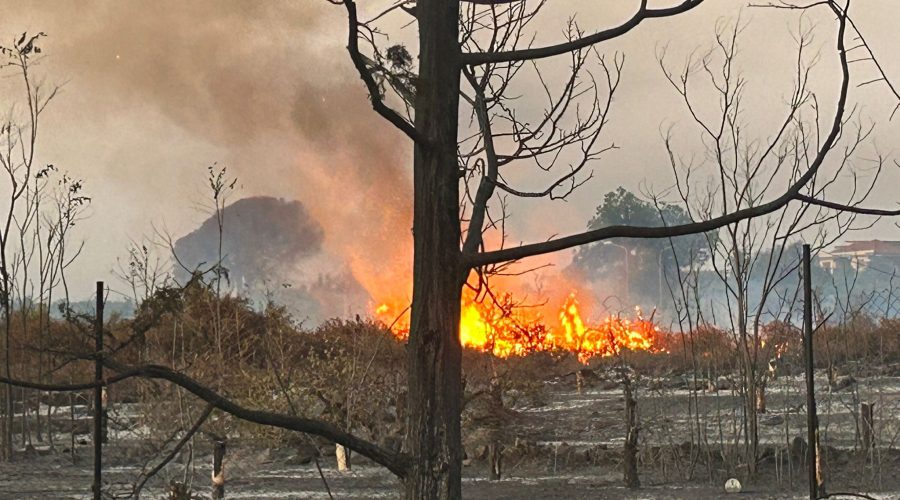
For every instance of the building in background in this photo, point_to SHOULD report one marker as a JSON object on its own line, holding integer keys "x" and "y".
{"x": 885, "y": 255}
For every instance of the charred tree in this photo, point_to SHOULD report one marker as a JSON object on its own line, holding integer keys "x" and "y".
{"x": 435, "y": 355}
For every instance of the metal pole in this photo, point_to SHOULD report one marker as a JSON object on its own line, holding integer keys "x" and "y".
{"x": 811, "y": 420}
{"x": 98, "y": 393}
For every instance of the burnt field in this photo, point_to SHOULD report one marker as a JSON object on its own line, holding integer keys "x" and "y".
{"x": 448, "y": 249}
{"x": 561, "y": 438}
{"x": 672, "y": 416}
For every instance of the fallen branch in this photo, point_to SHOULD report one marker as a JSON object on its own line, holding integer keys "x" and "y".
{"x": 136, "y": 492}
{"x": 854, "y": 495}
{"x": 397, "y": 463}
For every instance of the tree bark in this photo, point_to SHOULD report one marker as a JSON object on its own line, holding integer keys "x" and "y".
{"x": 435, "y": 355}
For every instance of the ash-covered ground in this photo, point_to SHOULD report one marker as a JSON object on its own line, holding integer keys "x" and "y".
{"x": 565, "y": 444}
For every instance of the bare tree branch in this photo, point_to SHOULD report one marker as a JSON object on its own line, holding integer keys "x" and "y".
{"x": 395, "y": 462}
{"x": 847, "y": 208}
{"x": 554, "y": 50}
{"x": 792, "y": 193}
{"x": 489, "y": 180}
{"x": 145, "y": 476}
{"x": 374, "y": 93}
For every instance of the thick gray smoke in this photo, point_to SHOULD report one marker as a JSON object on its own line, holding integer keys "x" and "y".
{"x": 273, "y": 248}
{"x": 264, "y": 88}
{"x": 261, "y": 237}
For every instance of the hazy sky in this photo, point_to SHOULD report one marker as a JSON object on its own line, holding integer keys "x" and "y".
{"x": 153, "y": 93}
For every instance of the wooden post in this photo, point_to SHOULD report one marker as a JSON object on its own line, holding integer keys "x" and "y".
{"x": 630, "y": 450}
{"x": 342, "y": 456}
{"x": 104, "y": 416}
{"x": 812, "y": 423}
{"x": 98, "y": 393}
{"x": 868, "y": 427}
{"x": 218, "y": 472}
{"x": 72, "y": 426}
{"x": 495, "y": 457}
{"x": 761, "y": 398}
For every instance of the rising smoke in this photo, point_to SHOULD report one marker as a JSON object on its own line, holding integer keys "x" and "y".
{"x": 272, "y": 249}
{"x": 268, "y": 86}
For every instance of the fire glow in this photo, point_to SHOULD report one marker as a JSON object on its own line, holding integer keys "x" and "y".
{"x": 499, "y": 326}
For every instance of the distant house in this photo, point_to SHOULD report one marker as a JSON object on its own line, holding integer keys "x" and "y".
{"x": 862, "y": 254}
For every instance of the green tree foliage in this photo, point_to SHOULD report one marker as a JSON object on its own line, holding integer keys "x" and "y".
{"x": 650, "y": 261}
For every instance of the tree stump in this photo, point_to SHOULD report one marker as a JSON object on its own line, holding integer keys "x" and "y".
{"x": 342, "y": 454}
{"x": 868, "y": 426}
{"x": 179, "y": 491}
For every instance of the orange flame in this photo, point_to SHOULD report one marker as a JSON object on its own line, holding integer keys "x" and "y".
{"x": 503, "y": 329}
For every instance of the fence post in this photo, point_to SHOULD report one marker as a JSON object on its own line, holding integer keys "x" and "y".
{"x": 812, "y": 421}
{"x": 218, "y": 472}
{"x": 868, "y": 427}
{"x": 98, "y": 394}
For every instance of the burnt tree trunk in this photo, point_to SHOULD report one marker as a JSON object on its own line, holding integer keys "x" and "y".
{"x": 435, "y": 355}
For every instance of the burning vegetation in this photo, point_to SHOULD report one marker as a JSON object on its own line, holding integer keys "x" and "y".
{"x": 501, "y": 326}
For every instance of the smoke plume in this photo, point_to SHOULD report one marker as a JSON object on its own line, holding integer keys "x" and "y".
{"x": 267, "y": 87}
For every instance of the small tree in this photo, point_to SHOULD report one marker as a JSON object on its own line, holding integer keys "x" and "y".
{"x": 755, "y": 261}
{"x": 41, "y": 206}
{"x": 651, "y": 265}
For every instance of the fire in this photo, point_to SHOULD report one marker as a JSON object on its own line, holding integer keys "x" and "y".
{"x": 499, "y": 326}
